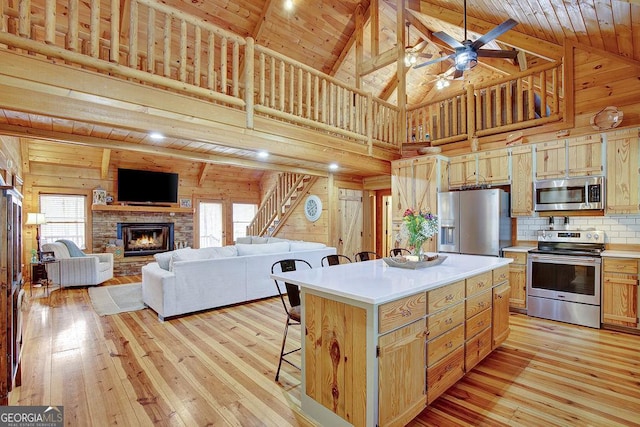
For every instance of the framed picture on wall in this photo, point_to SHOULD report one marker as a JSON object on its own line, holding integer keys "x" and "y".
{"x": 185, "y": 203}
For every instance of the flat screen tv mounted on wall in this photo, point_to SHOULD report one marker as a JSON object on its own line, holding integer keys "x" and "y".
{"x": 138, "y": 186}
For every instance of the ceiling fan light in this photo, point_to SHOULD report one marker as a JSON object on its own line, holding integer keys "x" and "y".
{"x": 410, "y": 58}
{"x": 466, "y": 60}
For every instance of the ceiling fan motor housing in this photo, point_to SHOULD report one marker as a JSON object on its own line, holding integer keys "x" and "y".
{"x": 466, "y": 57}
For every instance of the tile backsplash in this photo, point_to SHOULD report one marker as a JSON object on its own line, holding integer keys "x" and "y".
{"x": 622, "y": 229}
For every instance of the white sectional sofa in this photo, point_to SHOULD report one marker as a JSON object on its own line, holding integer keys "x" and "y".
{"x": 189, "y": 280}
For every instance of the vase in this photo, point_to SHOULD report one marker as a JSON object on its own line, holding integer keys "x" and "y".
{"x": 417, "y": 251}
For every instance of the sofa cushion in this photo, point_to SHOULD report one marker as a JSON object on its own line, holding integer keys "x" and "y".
{"x": 59, "y": 250}
{"x": 257, "y": 240}
{"x": 305, "y": 246}
{"x": 218, "y": 252}
{"x": 164, "y": 258}
{"x": 268, "y": 248}
{"x": 276, "y": 239}
{"x": 244, "y": 240}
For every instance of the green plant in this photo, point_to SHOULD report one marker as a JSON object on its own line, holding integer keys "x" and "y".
{"x": 417, "y": 228}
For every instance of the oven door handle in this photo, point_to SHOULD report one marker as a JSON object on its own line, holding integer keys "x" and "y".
{"x": 564, "y": 259}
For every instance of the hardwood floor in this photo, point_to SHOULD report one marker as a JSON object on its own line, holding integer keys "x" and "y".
{"x": 217, "y": 368}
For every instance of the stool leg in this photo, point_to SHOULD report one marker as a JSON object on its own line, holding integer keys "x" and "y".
{"x": 284, "y": 341}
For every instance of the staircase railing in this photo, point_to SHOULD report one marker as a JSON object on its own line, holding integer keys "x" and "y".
{"x": 279, "y": 200}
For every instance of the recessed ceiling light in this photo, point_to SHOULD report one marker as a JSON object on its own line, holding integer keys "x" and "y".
{"x": 333, "y": 166}
{"x": 263, "y": 154}
{"x": 156, "y": 135}
{"x": 288, "y": 4}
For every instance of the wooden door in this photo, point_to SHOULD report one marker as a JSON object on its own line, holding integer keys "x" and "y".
{"x": 585, "y": 155}
{"x": 350, "y": 220}
{"x": 622, "y": 172}
{"x": 522, "y": 182}
{"x": 551, "y": 160}
{"x": 500, "y": 314}
{"x": 401, "y": 375}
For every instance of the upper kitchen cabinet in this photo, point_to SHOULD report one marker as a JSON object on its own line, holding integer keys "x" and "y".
{"x": 582, "y": 156}
{"x": 585, "y": 155}
{"x": 483, "y": 168}
{"x": 623, "y": 171}
{"x": 493, "y": 167}
{"x": 462, "y": 171}
{"x": 522, "y": 181}
{"x": 551, "y": 160}
{"x": 402, "y": 189}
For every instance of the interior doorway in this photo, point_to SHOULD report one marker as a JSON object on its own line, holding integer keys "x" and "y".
{"x": 384, "y": 224}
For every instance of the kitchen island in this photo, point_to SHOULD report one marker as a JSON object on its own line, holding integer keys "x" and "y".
{"x": 382, "y": 342}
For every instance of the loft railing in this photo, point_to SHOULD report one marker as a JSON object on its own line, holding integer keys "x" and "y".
{"x": 153, "y": 43}
{"x": 527, "y": 99}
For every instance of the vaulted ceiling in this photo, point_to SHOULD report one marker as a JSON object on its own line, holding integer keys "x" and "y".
{"x": 324, "y": 34}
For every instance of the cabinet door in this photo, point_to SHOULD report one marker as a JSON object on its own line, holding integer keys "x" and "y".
{"x": 401, "y": 187}
{"x": 401, "y": 374}
{"x": 620, "y": 300}
{"x": 493, "y": 167}
{"x": 551, "y": 160}
{"x": 426, "y": 191}
{"x": 522, "y": 182}
{"x": 462, "y": 170}
{"x": 585, "y": 155}
{"x": 518, "y": 284}
{"x": 500, "y": 314}
{"x": 622, "y": 172}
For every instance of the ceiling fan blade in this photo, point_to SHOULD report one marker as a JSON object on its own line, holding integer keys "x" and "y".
{"x": 424, "y": 55}
{"x": 456, "y": 74}
{"x": 448, "y": 39}
{"x": 421, "y": 45}
{"x": 497, "y": 31}
{"x": 435, "y": 61}
{"x": 498, "y": 53}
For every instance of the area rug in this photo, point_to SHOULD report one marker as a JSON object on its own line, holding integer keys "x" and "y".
{"x": 116, "y": 299}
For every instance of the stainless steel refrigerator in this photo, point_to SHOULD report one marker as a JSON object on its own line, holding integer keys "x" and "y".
{"x": 474, "y": 222}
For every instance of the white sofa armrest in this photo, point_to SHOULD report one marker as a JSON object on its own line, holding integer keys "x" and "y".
{"x": 105, "y": 257}
{"x": 159, "y": 289}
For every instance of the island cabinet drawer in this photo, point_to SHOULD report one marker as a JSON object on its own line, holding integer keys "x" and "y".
{"x": 620, "y": 265}
{"x": 478, "y": 303}
{"x": 441, "y": 346}
{"x": 519, "y": 258}
{"x": 445, "y": 320}
{"x": 479, "y": 283}
{"x": 500, "y": 274}
{"x": 445, "y": 296}
{"x": 477, "y": 349}
{"x": 477, "y": 323}
{"x": 444, "y": 374}
{"x": 397, "y": 313}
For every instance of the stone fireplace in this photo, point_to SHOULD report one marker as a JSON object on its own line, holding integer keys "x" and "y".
{"x": 146, "y": 238}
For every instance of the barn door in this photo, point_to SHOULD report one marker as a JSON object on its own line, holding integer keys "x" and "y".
{"x": 349, "y": 222}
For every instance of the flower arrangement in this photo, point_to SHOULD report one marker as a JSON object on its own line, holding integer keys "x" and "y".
{"x": 417, "y": 228}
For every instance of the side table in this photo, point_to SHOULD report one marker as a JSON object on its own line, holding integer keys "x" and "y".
{"x": 40, "y": 275}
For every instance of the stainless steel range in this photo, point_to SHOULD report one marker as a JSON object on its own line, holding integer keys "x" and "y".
{"x": 563, "y": 276}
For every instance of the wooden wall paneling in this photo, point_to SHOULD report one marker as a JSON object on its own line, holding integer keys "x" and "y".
{"x": 298, "y": 227}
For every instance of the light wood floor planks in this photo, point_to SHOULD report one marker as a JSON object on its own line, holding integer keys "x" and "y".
{"x": 216, "y": 368}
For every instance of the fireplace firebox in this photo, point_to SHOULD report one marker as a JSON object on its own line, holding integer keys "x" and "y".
{"x": 145, "y": 238}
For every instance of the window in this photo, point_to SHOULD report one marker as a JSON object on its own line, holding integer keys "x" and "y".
{"x": 210, "y": 220}
{"x": 243, "y": 214}
{"x": 66, "y": 218}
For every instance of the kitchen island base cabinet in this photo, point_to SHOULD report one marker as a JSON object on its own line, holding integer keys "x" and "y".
{"x": 500, "y": 314}
{"x": 401, "y": 375}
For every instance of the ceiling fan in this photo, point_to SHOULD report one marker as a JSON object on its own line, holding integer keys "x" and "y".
{"x": 412, "y": 53}
{"x": 467, "y": 52}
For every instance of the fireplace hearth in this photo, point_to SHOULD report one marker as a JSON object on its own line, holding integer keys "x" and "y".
{"x": 149, "y": 238}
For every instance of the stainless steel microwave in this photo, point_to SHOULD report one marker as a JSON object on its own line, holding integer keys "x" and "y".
{"x": 570, "y": 194}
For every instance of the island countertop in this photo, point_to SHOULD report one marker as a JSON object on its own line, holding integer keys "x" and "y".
{"x": 374, "y": 282}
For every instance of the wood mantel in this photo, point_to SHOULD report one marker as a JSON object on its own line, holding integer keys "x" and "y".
{"x": 127, "y": 208}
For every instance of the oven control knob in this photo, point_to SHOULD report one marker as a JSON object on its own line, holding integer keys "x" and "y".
{"x": 588, "y": 235}
{"x": 596, "y": 236}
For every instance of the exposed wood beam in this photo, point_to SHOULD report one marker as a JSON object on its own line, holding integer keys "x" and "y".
{"x": 372, "y": 64}
{"x": 375, "y": 27}
{"x": 202, "y": 174}
{"x": 535, "y": 46}
{"x": 24, "y": 153}
{"x": 266, "y": 13}
{"x": 104, "y": 169}
{"x": 359, "y": 33}
{"x": 366, "y": 15}
{"x": 90, "y": 141}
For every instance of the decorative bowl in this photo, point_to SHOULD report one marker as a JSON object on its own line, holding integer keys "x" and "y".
{"x": 406, "y": 262}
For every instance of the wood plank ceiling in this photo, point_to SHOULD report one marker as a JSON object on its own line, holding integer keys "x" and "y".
{"x": 322, "y": 34}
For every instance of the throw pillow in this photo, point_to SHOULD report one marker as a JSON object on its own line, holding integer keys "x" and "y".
{"x": 74, "y": 250}
{"x": 218, "y": 252}
{"x": 276, "y": 240}
{"x": 244, "y": 240}
{"x": 257, "y": 240}
{"x": 268, "y": 248}
{"x": 164, "y": 258}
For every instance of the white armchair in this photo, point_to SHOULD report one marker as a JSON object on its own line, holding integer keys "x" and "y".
{"x": 91, "y": 269}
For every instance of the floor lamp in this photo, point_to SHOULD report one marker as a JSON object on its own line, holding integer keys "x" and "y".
{"x": 36, "y": 219}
